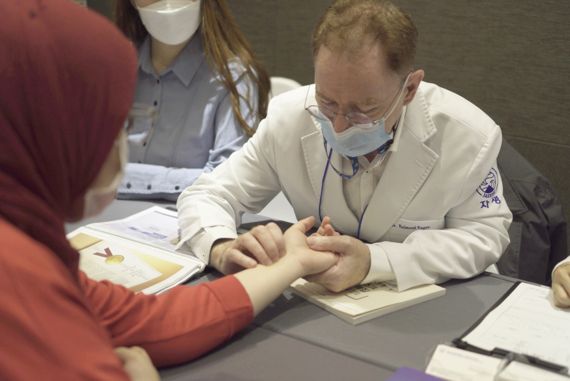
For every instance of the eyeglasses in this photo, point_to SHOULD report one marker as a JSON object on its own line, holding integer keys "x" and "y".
{"x": 140, "y": 112}
{"x": 325, "y": 114}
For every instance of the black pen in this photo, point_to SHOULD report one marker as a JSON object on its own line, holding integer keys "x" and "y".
{"x": 532, "y": 360}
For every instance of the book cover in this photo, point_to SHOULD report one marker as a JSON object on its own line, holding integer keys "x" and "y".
{"x": 364, "y": 302}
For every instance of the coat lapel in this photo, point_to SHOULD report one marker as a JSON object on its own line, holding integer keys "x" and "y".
{"x": 333, "y": 201}
{"x": 404, "y": 174}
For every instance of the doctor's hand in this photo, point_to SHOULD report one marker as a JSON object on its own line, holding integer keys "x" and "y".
{"x": 263, "y": 244}
{"x": 561, "y": 285}
{"x": 137, "y": 364}
{"x": 352, "y": 266}
{"x": 326, "y": 228}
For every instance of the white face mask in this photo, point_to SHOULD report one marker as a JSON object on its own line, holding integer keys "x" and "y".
{"x": 97, "y": 199}
{"x": 171, "y": 22}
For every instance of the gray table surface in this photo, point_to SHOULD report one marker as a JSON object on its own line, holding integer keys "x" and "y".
{"x": 402, "y": 338}
{"x": 260, "y": 354}
{"x": 294, "y": 339}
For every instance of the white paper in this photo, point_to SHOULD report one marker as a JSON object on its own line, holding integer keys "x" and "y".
{"x": 526, "y": 322}
{"x": 154, "y": 226}
{"x": 456, "y": 364}
{"x": 517, "y": 371}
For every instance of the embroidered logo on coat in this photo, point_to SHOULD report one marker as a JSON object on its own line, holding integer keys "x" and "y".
{"x": 488, "y": 187}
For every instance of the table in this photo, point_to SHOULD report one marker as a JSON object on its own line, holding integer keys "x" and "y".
{"x": 403, "y": 338}
{"x": 260, "y": 354}
{"x": 294, "y": 339}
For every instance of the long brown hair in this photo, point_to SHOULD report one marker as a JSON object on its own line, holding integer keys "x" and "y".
{"x": 223, "y": 42}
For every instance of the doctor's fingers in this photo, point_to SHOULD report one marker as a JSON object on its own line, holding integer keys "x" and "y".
{"x": 270, "y": 237}
{"x": 337, "y": 243}
{"x": 248, "y": 243}
{"x": 321, "y": 230}
{"x": 325, "y": 228}
{"x": 329, "y": 230}
{"x": 278, "y": 237}
{"x": 561, "y": 298}
{"x": 329, "y": 279}
{"x": 234, "y": 260}
{"x": 318, "y": 262}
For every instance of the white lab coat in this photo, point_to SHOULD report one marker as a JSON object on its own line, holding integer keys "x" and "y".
{"x": 431, "y": 215}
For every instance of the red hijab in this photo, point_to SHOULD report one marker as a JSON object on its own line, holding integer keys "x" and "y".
{"x": 67, "y": 79}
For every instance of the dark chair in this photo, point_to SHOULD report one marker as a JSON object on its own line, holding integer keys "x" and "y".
{"x": 538, "y": 232}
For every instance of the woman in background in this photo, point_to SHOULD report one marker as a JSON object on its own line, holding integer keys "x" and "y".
{"x": 200, "y": 92}
{"x": 66, "y": 90}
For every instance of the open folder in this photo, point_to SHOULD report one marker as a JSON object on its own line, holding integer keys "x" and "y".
{"x": 523, "y": 330}
{"x": 139, "y": 252}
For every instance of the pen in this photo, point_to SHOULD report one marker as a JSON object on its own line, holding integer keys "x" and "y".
{"x": 532, "y": 360}
{"x": 513, "y": 356}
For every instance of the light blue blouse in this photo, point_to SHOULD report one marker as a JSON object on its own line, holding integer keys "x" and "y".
{"x": 194, "y": 129}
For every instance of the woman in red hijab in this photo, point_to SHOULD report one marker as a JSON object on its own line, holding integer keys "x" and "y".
{"x": 66, "y": 83}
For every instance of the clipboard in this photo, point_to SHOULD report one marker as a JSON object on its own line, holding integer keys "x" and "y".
{"x": 507, "y": 355}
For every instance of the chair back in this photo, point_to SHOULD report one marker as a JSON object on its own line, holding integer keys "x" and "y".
{"x": 281, "y": 85}
{"x": 538, "y": 230}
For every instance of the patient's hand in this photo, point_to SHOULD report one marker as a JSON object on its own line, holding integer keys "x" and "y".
{"x": 137, "y": 364}
{"x": 311, "y": 261}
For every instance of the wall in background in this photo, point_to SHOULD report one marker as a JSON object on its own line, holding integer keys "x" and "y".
{"x": 104, "y": 7}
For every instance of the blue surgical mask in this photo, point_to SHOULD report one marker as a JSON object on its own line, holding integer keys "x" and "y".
{"x": 359, "y": 139}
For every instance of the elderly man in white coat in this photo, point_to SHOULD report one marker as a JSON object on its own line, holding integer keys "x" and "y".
{"x": 405, "y": 170}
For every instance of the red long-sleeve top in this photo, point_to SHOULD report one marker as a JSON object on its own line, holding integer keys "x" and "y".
{"x": 54, "y": 328}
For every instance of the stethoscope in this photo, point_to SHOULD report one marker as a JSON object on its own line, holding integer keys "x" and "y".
{"x": 355, "y": 167}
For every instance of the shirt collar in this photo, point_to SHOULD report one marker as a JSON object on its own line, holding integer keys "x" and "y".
{"x": 184, "y": 66}
{"x": 398, "y": 132}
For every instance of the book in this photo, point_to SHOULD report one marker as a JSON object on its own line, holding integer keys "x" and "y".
{"x": 364, "y": 302}
{"x": 139, "y": 252}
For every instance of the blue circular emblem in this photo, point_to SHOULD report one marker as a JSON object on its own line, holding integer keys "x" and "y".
{"x": 488, "y": 187}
